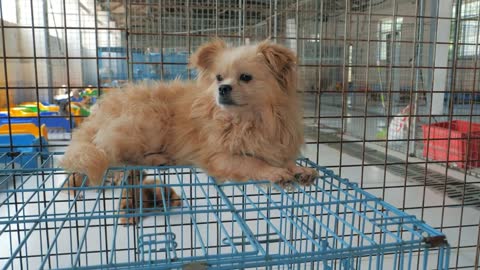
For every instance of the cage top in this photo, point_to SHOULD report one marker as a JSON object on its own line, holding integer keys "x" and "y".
{"x": 246, "y": 224}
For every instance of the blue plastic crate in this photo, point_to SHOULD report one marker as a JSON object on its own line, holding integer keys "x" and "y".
{"x": 52, "y": 122}
{"x": 22, "y": 149}
{"x": 330, "y": 225}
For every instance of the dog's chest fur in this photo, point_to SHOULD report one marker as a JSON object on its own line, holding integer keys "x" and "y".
{"x": 207, "y": 129}
{"x": 237, "y": 135}
{"x": 251, "y": 136}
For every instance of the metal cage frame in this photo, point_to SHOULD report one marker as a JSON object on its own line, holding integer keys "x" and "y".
{"x": 332, "y": 224}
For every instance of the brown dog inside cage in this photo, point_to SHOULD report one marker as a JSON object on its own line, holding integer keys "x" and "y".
{"x": 143, "y": 194}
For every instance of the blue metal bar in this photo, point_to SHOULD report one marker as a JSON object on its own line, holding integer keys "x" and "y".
{"x": 25, "y": 203}
{"x": 272, "y": 225}
{"x": 55, "y": 239}
{"x": 344, "y": 221}
{"x": 27, "y": 234}
{"x": 115, "y": 226}
{"x": 245, "y": 229}
{"x": 204, "y": 250}
{"x": 287, "y": 211}
{"x": 89, "y": 220}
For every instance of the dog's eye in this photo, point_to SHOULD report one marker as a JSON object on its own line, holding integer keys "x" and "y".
{"x": 219, "y": 77}
{"x": 245, "y": 77}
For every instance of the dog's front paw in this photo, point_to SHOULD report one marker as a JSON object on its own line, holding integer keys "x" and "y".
{"x": 304, "y": 176}
{"x": 282, "y": 177}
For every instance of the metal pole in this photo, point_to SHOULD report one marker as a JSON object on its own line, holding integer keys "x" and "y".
{"x": 418, "y": 63}
{"x": 275, "y": 21}
{"x": 47, "y": 53}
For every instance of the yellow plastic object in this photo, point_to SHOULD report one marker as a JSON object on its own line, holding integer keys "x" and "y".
{"x": 19, "y": 112}
{"x": 77, "y": 112}
{"x": 25, "y": 128}
{"x": 49, "y": 108}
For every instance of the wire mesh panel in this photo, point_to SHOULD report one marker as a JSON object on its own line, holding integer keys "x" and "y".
{"x": 378, "y": 78}
{"x": 189, "y": 221}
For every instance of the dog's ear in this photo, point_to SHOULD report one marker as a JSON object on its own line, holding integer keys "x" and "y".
{"x": 282, "y": 63}
{"x": 204, "y": 57}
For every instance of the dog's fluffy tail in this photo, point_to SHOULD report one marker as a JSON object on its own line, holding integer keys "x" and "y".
{"x": 85, "y": 158}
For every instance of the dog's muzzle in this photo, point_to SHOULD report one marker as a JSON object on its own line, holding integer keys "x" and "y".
{"x": 224, "y": 95}
{"x": 225, "y": 90}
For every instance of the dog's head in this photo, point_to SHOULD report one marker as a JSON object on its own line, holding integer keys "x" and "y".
{"x": 246, "y": 76}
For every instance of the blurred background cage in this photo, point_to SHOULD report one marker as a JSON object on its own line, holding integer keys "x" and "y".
{"x": 385, "y": 84}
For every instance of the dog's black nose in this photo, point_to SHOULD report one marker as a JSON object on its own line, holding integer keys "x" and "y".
{"x": 224, "y": 89}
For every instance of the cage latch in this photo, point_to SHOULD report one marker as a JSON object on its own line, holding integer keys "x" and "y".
{"x": 435, "y": 241}
{"x": 13, "y": 154}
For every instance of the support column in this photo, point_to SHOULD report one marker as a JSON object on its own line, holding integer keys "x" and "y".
{"x": 441, "y": 56}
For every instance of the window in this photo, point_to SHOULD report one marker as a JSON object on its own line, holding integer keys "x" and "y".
{"x": 469, "y": 30}
{"x": 291, "y": 33}
{"x": 385, "y": 29}
{"x": 9, "y": 11}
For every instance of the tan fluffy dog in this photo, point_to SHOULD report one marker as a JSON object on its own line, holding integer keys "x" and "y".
{"x": 241, "y": 120}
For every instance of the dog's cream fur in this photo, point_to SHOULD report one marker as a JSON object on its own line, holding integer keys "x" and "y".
{"x": 184, "y": 123}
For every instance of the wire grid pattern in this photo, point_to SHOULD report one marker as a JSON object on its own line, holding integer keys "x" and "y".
{"x": 361, "y": 63}
{"x": 231, "y": 225}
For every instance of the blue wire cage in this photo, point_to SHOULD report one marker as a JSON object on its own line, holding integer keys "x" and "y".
{"x": 330, "y": 225}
